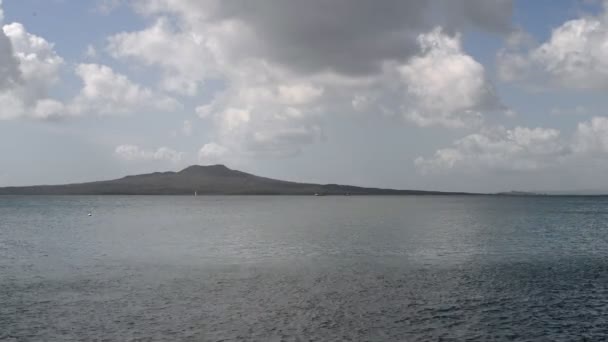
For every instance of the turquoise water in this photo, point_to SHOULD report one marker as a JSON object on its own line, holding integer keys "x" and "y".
{"x": 303, "y": 268}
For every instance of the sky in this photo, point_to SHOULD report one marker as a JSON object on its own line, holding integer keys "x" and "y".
{"x": 455, "y": 95}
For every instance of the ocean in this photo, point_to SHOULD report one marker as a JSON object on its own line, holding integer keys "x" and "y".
{"x": 303, "y": 268}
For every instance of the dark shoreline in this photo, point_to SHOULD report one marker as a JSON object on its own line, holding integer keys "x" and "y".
{"x": 219, "y": 180}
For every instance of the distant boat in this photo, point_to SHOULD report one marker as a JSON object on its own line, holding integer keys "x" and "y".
{"x": 195, "y": 194}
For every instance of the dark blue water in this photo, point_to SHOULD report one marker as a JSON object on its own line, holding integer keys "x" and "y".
{"x": 303, "y": 269}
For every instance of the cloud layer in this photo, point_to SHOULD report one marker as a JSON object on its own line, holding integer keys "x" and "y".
{"x": 574, "y": 57}
{"x": 446, "y": 86}
{"x": 344, "y": 36}
{"x": 107, "y": 92}
{"x": 251, "y": 82}
{"x": 286, "y": 66}
{"x": 136, "y": 153}
{"x": 29, "y": 66}
{"x": 520, "y": 149}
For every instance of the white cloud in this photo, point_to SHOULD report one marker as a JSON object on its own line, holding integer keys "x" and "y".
{"x": 107, "y": 92}
{"x": 574, "y": 57}
{"x": 272, "y": 111}
{"x": 297, "y": 94}
{"x": 204, "y": 111}
{"x": 10, "y": 75}
{"x": 445, "y": 86}
{"x": 281, "y": 72}
{"x": 360, "y": 102}
{"x": 522, "y": 149}
{"x": 303, "y": 35}
{"x": 181, "y": 55}
{"x": 38, "y": 62}
{"x": 49, "y": 109}
{"x": 11, "y": 104}
{"x": 592, "y": 137}
{"x": 264, "y": 110}
{"x": 232, "y": 118}
{"x": 275, "y": 141}
{"x": 29, "y": 67}
{"x": 135, "y": 153}
{"x": 211, "y": 153}
{"x": 273, "y": 116}
{"x": 519, "y": 149}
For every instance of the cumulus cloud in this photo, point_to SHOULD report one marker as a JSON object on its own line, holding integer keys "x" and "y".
{"x": 263, "y": 127}
{"x": 211, "y": 153}
{"x": 49, "y": 109}
{"x": 135, "y": 153}
{"x": 38, "y": 62}
{"x": 29, "y": 66}
{"x": 520, "y": 149}
{"x": 260, "y": 103}
{"x": 12, "y": 106}
{"x": 303, "y": 35}
{"x": 107, "y": 92}
{"x": 592, "y": 137}
{"x": 296, "y": 94}
{"x": 284, "y": 65}
{"x": 157, "y": 46}
{"x": 273, "y": 115}
{"x": 446, "y": 86}
{"x": 574, "y": 57}
{"x": 10, "y": 75}
{"x": 204, "y": 111}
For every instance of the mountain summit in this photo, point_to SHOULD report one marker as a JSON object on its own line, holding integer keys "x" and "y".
{"x": 203, "y": 180}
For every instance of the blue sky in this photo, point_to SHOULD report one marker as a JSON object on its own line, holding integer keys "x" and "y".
{"x": 464, "y": 95}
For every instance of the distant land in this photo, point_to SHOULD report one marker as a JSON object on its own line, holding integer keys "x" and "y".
{"x": 206, "y": 180}
{"x": 520, "y": 193}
